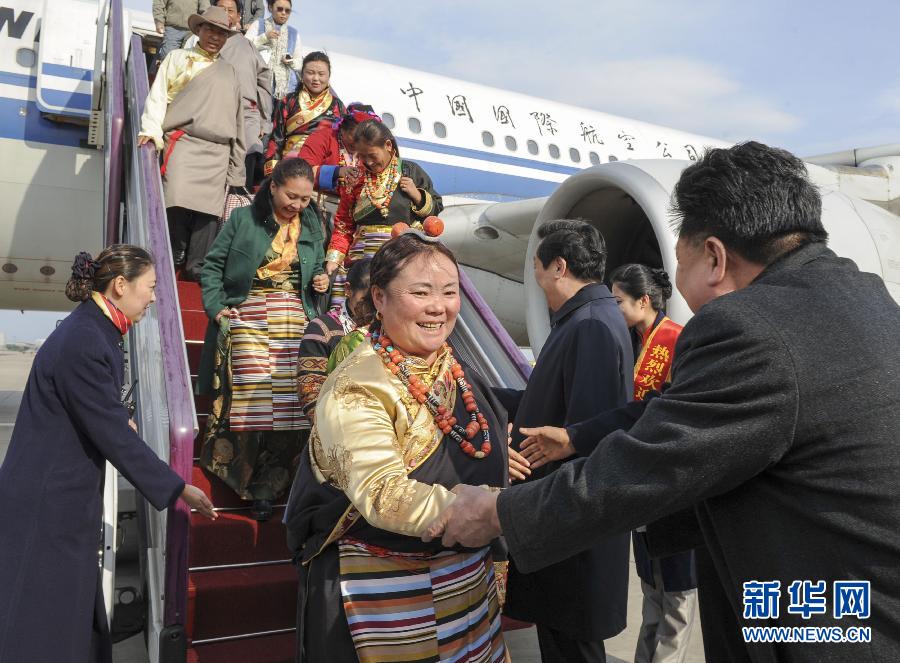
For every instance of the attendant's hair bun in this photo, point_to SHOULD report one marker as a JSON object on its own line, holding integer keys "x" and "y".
{"x": 661, "y": 278}
{"x": 79, "y": 287}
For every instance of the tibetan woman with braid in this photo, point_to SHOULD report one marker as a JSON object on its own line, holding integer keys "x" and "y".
{"x": 388, "y": 190}
{"x": 399, "y": 423}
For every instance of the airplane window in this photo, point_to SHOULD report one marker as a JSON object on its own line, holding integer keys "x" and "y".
{"x": 595, "y": 158}
{"x": 388, "y": 120}
{"x": 613, "y": 157}
{"x": 554, "y": 151}
{"x": 532, "y": 147}
{"x": 487, "y": 138}
{"x": 440, "y": 130}
{"x": 414, "y": 125}
{"x": 574, "y": 155}
{"x": 511, "y": 144}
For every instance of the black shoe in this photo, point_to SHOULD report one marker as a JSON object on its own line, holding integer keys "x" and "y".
{"x": 262, "y": 510}
{"x": 179, "y": 258}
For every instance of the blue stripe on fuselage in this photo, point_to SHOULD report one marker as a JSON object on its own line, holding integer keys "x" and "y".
{"x": 62, "y": 71}
{"x": 481, "y": 155}
{"x": 33, "y": 127}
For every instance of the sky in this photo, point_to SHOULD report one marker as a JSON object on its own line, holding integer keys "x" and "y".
{"x": 812, "y": 77}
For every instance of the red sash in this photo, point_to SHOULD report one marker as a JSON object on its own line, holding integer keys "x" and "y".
{"x": 654, "y": 365}
{"x": 173, "y": 138}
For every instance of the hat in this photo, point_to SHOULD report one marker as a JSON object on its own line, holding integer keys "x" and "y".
{"x": 214, "y": 16}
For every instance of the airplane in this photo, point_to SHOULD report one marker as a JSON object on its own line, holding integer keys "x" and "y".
{"x": 505, "y": 163}
{"x": 495, "y": 155}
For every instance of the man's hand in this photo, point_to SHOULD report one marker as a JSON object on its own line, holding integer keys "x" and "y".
{"x": 545, "y": 444}
{"x": 197, "y": 499}
{"x": 471, "y": 520}
{"x": 518, "y": 466}
{"x": 160, "y": 27}
{"x": 143, "y": 140}
{"x": 331, "y": 267}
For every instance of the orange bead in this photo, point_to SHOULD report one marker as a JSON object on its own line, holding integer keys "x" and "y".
{"x": 421, "y": 398}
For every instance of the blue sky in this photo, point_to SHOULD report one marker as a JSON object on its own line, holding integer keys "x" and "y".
{"x": 813, "y": 77}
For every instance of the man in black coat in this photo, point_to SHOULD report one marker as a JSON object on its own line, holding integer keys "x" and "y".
{"x": 779, "y": 431}
{"x": 585, "y": 366}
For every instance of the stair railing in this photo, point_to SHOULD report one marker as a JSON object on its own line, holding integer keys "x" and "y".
{"x": 167, "y": 418}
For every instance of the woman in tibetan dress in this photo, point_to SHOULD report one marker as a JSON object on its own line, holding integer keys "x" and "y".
{"x": 399, "y": 423}
{"x": 258, "y": 287}
{"x": 298, "y": 115}
{"x": 388, "y": 190}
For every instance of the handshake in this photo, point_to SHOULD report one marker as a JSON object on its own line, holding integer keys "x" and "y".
{"x": 472, "y": 520}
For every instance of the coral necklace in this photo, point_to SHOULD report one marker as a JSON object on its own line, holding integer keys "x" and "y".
{"x": 380, "y": 188}
{"x": 395, "y": 362}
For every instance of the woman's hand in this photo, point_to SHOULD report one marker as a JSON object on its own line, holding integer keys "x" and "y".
{"x": 143, "y": 140}
{"x": 132, "y": 425}
{"x": 197, "y": 499}
{"x": 272, "y": 35}
{"x": 331, "y": 267}
{"x": 347, "y": 175}
{"x": 518, "y": 466}
{"x": 545, "y": 444}
{"x": 320, "y": 283}
{"x": 231, "y": 313}
{"x": 409, "y": 187}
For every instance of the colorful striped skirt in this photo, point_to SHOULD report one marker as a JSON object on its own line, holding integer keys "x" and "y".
{"x": 265, "y": 341}
{"x": 366, "y": 242}
{"x": 414, "y": 607}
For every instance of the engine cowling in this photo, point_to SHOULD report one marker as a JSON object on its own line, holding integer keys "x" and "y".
{"x": 629, "y": 203}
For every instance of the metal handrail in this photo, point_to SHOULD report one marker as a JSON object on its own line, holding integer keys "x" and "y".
{"x": 496, "y": 328}
{"x": 179, "y": 395}
{"x": 114, "y": 120}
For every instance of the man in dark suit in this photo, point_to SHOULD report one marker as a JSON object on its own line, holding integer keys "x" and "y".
{"x": 779, "y": 431}
{"x": 584, "y": 367}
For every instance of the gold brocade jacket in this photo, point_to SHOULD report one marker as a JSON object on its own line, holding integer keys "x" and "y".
{"x": 369, "y": 435}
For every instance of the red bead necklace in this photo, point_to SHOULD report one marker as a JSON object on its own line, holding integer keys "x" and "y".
{"x": 395, "y": 362}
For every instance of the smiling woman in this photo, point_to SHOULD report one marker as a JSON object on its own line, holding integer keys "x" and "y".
{"x": 258, "y": 284}
{"x": 398, "y": 424}
{"x": 70, "y": 423}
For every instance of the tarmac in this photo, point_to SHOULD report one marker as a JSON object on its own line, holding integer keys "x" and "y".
{"x": 523, "y": 647}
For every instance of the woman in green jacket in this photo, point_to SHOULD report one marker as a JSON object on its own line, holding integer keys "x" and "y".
{"x": 258, "y": 282}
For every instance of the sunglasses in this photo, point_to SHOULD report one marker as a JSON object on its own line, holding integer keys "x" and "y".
{"x": 282, "y": 10}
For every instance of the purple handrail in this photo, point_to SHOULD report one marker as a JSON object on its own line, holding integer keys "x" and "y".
{"x": 179, "y": 395}
{"x": 497, "y": 329}
{"x": 115, "y": 118}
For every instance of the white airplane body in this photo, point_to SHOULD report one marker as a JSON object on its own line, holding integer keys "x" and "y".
{"x": 494, "y": 155}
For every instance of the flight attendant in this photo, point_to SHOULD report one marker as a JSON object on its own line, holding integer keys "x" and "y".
{"x": 71, "y": 421}
{"x": 669, "y": 584}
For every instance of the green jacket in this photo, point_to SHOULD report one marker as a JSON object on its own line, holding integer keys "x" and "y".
{"x": 231, "y": 264}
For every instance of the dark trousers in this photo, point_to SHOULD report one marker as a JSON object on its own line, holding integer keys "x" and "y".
{"x": 191, "y": 234}
{"x": 253, "y": 166}
{"x": 559, "y": 647}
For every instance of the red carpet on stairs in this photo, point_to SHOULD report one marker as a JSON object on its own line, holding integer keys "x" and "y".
{"x": 228, "y": 601}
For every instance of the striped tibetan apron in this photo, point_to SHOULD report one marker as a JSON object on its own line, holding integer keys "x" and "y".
{"x": 417, "y": 607}
{"x": 265, "y": 341}
{"x": 366, "y": 242}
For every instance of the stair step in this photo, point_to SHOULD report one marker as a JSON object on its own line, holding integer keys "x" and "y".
{"x": 244, "y": 600}
{"x": 216, "y": 489}
{"x": 235, "y": 538}
{"x": 193, "y": 317}
{"x": 193, "y": 354}
{"x": 279, "y": 648}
